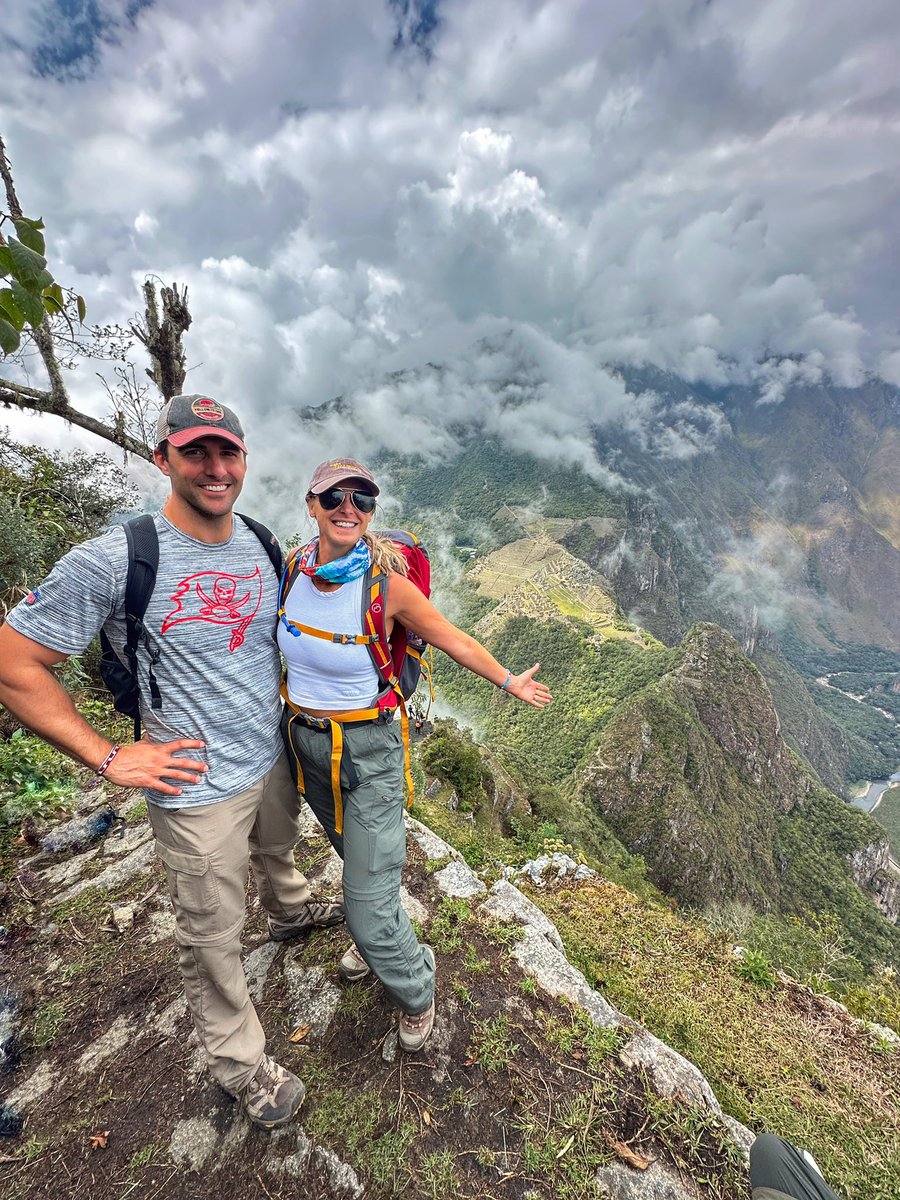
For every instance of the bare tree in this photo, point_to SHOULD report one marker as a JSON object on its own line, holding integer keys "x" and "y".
{"x": 131, "y": 420}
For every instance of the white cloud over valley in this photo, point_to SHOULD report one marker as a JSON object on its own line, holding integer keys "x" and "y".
{"x": 521, "y": 192}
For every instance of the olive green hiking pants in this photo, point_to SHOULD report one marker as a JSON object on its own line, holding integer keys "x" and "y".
{"x": 372, "y": 845}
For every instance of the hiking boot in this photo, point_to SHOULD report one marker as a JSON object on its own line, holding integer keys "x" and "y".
{"x": 353, "y": 966}
{"x": 273, "y": 1095}
{"x": 415, "y": 1028}
{"x": 314, "y": 914}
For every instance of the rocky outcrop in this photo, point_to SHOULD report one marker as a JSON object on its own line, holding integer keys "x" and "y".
{"x": 113, "y": 1079}
{"x": 873, "y": 870}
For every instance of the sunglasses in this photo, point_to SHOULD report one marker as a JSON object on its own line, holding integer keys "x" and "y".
{"x": 334, "y": 498}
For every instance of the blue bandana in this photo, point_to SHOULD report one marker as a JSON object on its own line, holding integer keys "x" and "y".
{"x": 343, "y": 570}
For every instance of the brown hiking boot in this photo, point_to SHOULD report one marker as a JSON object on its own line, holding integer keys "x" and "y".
{"x": 273, "y": 1095}
{"x": 415, "y": 1028}
{"x": 314, "y": 914}
{"x": 353, "y": 966}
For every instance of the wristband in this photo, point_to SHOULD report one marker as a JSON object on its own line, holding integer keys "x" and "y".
{"x": 505, "y": 684}
{"x": 104, "y": 766}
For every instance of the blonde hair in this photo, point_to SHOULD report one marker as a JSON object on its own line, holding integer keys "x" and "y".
{"x": 385, "y": 554}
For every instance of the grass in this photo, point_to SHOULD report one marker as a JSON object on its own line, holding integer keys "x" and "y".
{"x": 491, "y": 1045}
{"x": 770, "y": 1060}
{"x": 48, "y": 1021}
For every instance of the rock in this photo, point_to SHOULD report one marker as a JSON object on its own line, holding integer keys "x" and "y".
{"x": 123, "y": 917}
{"x": 508, "y": 904}
{"x": 80, "y": 832}
{"x": 668, "y": 1070}
{"x": 9, "y": 1038}
{"x": 26, "y": 1095}
{"x": 172, "y": 1018}
{"x": 342, "y": 1179}
{"x": 432, "y": 788}
{"x": 453, "y": 801}
{"x": 658, "y": 1182}
{"x": 414, "y": 909}
{"x": 256, "y": 968}
{"x": 68, "y": 871}
{"x": 313, "y": 997}
{"x": 118, "y": 1035}
{"x": 432, "y": 846}
{"x": 161, "y": 925}
{"x": 139, "y": 860}
{"x": 390, "y": 1046}
{"x": 743, "y": 1137}
{"x": 457, "y": 879}
{"x": 541, "y": 956}
{"x": 192, "y": 1142}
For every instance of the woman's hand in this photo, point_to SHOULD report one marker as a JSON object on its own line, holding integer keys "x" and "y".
{"x": 524, "y": 687}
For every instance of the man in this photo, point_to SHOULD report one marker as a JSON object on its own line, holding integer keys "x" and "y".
{"x": 211, "y": 759}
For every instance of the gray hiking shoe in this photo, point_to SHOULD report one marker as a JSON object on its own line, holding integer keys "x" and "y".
{"x": 273, "y": 1095}
{"x": 415, "y": 1028}
{"x": 315, "y": 914}
{"x": 353, "y": 966}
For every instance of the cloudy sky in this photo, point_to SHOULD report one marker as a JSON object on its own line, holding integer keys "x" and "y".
{"x": 521, "y": 190}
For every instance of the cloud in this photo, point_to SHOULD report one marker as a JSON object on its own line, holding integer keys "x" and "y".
{"x": 524, "y": 193}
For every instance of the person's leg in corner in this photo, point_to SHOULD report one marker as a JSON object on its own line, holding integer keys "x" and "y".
{"x": 778, "y": 1171}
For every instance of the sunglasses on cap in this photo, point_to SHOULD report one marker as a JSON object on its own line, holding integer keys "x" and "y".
{"x": 363, "y": 501}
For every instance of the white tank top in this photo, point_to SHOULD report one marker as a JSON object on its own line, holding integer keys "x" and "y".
{"x": 324, "y": 674}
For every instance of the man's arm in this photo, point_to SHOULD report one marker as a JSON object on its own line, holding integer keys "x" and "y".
{"x": 33, "y": 694}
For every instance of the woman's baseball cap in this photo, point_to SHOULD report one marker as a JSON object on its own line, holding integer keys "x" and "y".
{"x": 329, "y": 474}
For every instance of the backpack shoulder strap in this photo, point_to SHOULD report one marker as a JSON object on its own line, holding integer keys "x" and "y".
{"x": 143, "y": 563}
{"x": 289, "y": 573}
{"x": 142, "y": 541}
{"x": 269, "y": 542}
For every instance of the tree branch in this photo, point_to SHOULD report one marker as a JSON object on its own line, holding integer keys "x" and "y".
{"x": 16, "y": 395}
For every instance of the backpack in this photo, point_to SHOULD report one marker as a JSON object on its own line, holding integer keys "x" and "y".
{"x": 400, "y": 662}
{"x": 143, "y": 562}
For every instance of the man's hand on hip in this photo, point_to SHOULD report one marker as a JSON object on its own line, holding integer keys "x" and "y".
{"x": 148, "y": 764}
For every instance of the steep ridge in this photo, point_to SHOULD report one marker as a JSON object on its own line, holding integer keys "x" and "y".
{"x": 693, "y": 773}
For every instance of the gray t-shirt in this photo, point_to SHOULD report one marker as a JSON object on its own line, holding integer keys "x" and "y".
{"x": 212, "y": 618}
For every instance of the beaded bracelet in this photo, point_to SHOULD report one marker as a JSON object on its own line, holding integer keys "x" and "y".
{"x": 104, "y": 766}
{"x": 505, "y": 684}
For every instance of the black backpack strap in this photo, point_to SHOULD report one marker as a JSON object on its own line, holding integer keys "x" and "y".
{"x": 269, "y": 542}
{"x": 143, "y": 562}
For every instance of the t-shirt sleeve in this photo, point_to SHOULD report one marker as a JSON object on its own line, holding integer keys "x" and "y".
{"x": 69, "y": 608}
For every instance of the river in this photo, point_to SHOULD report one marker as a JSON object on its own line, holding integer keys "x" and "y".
{"x": 874, "y": 793}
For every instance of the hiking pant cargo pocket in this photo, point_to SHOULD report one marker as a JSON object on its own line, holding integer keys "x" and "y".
{"x": 193, "y": 885}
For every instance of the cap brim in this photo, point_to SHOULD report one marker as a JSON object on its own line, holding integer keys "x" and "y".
{"x": 185, "y": 436}
{"x": 325, "y": 485}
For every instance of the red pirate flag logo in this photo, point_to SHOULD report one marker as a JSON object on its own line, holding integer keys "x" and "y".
{"x": 218, "y": 599}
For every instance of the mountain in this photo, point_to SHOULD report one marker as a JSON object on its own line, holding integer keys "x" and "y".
{"x": 693, "y": 774}
{"x": 777, "y": 521}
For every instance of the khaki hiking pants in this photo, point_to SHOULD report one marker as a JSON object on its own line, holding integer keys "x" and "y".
{"x": 373, "y": 847}
{"x": 206, "y": 851}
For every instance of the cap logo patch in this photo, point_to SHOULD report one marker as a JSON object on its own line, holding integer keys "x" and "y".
{"x": 207, "y": 410}
{"x": 343, "y": 466}
{"x": 32, "y": 596}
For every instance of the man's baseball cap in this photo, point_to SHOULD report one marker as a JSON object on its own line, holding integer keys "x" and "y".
{"x": 187, "y": 418}
{"x": 329, "y": 474}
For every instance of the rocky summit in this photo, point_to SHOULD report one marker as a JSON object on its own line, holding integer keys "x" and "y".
{"x": 533, "y": 1084}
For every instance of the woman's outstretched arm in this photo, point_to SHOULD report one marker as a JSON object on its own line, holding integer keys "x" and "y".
{"x": 407, "y": 605}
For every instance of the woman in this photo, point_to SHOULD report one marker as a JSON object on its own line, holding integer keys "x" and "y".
{"x": 331, "y": 721}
